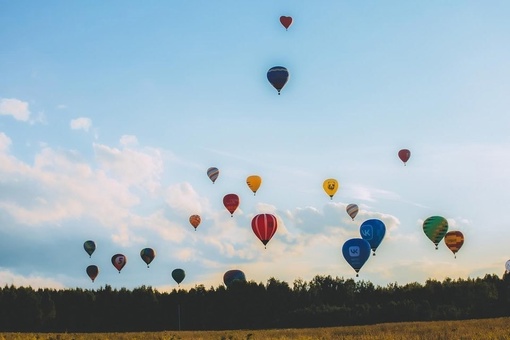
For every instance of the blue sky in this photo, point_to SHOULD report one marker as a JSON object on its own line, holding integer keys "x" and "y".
{"x": 111, "y": 114}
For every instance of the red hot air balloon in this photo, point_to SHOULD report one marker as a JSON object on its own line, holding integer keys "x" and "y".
{"x": 264, "y": 226}
{"x": 404, "y": 155}
{"x": 92, "y": 272}
{"x": 119, "y": 261}
{"x": 286, "y": 21}
{"x": 231, "y": 202}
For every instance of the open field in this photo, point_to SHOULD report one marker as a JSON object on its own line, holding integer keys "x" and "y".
{"x": 467, "y": 329}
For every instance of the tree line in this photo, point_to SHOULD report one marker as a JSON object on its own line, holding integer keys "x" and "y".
{"x": 323, "y": 302}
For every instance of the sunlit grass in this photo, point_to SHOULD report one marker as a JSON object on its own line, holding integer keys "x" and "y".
{"x": 468, "y": 329}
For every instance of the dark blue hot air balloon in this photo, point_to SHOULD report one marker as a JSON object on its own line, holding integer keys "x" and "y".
{"x": 356, "y": 252}
{"x": 234, "y": 275}
{"x": 373, "y": 231}
{"x": 278, "y": 77}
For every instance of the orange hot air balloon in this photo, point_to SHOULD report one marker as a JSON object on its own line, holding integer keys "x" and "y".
{"x": 404, "y": 155}
{"x": 286, "y": 21}
{"x": 119, "y": 261}
{"x": 254, "y": 183}
{"x": 264, "y": 226}
{"x": 330, "y": 187}
{"x": 195, "y": 221}
{"x": 231, "y": 202}
{"x": 454, "y": 241}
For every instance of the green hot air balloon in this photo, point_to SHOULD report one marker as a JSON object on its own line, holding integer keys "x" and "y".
{"x": 90, "y": 247}
{"x": 435, "y": 227}
{"x": 178, "y": 275}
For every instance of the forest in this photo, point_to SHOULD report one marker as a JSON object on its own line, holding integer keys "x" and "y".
{"x": 323, "y": 302}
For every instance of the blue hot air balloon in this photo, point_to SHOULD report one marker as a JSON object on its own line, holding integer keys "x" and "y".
{"x": 234, "y": 275}
{"x": 373, "y": 231}
{"x": 278, "y": 77}
{"x": 356, "y": 252}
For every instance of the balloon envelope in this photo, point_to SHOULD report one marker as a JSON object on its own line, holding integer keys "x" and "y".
{"x": 232, "y": 276}
{"x": 356, "y": 252}
{"x": 231, "y": 202}
{"x": 119, "y": 261}
{"x": 404, "y": 155}
{"x": 278, "y": 76}
{"x": 178, "y": 275}
{"x": 454, "y": 240}
{"x": 92, "y": 272}
{"x": 195, "y": 221}
{"x": 373, "y": 231}
{"x": 435, "y": 227}
{"x": 352, "y": 210}
{"x": 264, "y": 226}
{"x": 286, "y": 21}
{"x": 90, "y": 247}
{"x": 254, "y": 182}
{"x": 213, "y": 173}
{"x": 330, "y": 186}
{"x": 147, "y": 255}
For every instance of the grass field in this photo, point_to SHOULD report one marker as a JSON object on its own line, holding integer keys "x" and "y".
{"x": 469, "y": 329}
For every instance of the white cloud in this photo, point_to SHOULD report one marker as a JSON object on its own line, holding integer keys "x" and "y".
{"x": 34, "y": 281}
{"x": 15, "y": 108}
{"x": 81, "y": 123}
{"x": 138, "y": 168}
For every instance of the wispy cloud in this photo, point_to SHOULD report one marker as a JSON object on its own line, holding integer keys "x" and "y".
{"x": 82, "y": 123}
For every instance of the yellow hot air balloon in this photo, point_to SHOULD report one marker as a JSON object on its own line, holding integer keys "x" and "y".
{"x": 254, "y": 182}
{"x": 330, "y": 186}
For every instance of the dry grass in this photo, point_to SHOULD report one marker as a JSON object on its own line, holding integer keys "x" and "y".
{"x": 468, "y": 329}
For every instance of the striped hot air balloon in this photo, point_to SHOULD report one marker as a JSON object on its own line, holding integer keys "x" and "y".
{"x": 454, "y": 240}
{"x": 352, "y": 210}
{"x": 264, "y": 226}
{"x": 435, "y": 227}
{"x": 213, "y": 173}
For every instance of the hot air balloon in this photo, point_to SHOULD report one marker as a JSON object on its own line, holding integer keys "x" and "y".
{"x": 373, "y": 231}
{"x": 278, "y": 77}
{"x": 213, "y": 173}
{"x": 195, "y": 221}
{"x": 254, "y": 182}
{"x": 435, "y": 227}
{"x": 119, "y": 261}
{"x": 352, "y": 210}
{"x": 330, "y": 186}
{"x": 90, "y": 247}
{"x": 178, "y": 275}
{"x": 454, "y": 241}
{"x": 147, "y": 255}
{"x": 264, "y": 226}
{"x": 356, "y": 252}
{"x": 286, "y": 21}
{"x": 231, "y": 202}
{"x": 507, "y": 266}
{"x": 92, "y": 272}
{"x": 232, "y": 276}
{"x": 404, "y": 155}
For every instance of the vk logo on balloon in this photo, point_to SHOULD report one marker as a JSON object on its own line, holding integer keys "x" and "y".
{"x": 367, "y": 232}
{"x": 354, "y": 251}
